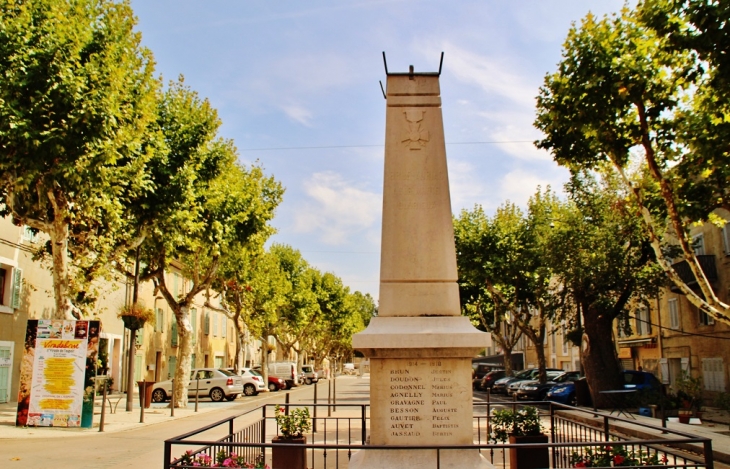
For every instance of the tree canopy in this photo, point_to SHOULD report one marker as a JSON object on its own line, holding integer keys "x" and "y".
{"x": 645, "y": 89}
{"x": 77, "y": 95}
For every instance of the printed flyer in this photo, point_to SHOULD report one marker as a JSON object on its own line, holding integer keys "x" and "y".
{"x": 56, "y": 368}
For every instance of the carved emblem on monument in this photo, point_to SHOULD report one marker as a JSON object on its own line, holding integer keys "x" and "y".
{"x": 416, "y": 138}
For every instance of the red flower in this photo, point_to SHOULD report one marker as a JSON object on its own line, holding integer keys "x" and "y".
{"x": 664, "y": 459}
{"x": 618, "y": 459}
{"x": 580, "y": 464}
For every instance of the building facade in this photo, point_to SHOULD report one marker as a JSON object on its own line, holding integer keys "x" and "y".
{"x": 26, "y": 293}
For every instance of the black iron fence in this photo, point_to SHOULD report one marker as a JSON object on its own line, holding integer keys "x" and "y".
{"x": 577, "y": 438}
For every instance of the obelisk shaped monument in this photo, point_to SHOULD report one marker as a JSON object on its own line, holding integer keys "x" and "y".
{"x": 419, "y": 346}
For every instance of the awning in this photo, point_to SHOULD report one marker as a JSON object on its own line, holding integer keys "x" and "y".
{"x": 637, "y": 342}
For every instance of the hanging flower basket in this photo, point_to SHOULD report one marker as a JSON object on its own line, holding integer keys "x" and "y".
{"x": 135, "y": 318}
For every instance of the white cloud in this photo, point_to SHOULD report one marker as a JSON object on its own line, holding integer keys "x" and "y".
{"x": 338, "y": 210}
{"x": 298, "y": 113}
{"x": 519, "y": 185}
{"x": 465, "y": 185}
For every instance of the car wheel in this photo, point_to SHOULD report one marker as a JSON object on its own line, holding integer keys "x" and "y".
{"x": 273, "y": 387}
{"x": 159, "y": 395}
{"x": 232, "y": 397}
{"x": 249, "y": 390}
{"x": 216, "y": 395}
{"x": 307, "y": 381}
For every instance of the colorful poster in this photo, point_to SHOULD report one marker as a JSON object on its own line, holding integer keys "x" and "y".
{"x": 56, "y": 371}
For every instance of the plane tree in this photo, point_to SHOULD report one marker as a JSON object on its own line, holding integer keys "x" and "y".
{"x": 648, "y": 88}
{"x": 77, "y": 97}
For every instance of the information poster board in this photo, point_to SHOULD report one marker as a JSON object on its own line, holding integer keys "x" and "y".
{"x": 56, "y": 371}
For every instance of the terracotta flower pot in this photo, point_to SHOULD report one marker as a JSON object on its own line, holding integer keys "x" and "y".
{"x": 528, "y": 458}
{"x": 684, "y": 416}
{"x": 289, "y": 457}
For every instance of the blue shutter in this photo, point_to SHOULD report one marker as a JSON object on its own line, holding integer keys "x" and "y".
{"x": 174, "y": 334}
{"x": 17, "y": 287}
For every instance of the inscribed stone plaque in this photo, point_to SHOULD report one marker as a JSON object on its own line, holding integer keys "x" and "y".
{"x": 421, "y": 401}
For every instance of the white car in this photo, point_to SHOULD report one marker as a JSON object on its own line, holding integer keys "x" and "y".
{"x": 215, "y": 383}
{"x": 253, "y": 382}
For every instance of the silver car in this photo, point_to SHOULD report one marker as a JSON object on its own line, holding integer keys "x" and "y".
{"x": 253, "y": 382}
{"x": 212, "y": 382}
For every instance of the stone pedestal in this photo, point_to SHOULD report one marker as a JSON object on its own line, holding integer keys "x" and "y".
{"x": 420, "y": 347}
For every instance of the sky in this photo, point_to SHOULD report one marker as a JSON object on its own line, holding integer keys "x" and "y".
{"x": 296, "y": 87}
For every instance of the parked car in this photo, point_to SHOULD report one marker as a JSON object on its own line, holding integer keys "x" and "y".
{"x": 501, "y": 386}
{"x": 488, "y": 381}
{"x": 480, "y": 370}
{"x": 349, "y": 369}
{"x": 308, "y": 375}
{"x": 218, "y": 384}
{"x": 253, "y": 382}
{"x": 276, "y": 384}
{"x": 284, "y": 370}
{"x": 535, "y": 391}
{"x": 564, "y": 393}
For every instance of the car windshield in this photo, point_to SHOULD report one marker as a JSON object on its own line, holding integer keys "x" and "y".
{"x": 524, "y": 374}
{"x": 254, "y": 372}
{"x": 633, "y": 378}
{"x": 227, "y": 373}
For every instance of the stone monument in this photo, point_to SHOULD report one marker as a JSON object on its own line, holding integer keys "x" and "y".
{"x": 420, "y": 347}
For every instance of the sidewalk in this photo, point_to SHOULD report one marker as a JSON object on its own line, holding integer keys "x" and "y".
{"x": 118, "y": 421}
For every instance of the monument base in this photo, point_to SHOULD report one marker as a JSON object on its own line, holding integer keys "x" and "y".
{"x": 419, "y": 459}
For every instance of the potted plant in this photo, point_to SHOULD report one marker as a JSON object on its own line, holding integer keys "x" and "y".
{"x": 521, "y": 426}
{"x": 292, "y": 428}
{"x": 690, "y": 391}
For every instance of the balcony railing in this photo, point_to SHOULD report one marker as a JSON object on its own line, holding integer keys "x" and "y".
{"x": 573, "y": 432}
{"x": 707, "y": 262}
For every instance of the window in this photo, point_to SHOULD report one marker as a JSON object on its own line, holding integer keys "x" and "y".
{"x": 206, "y": 324}
{"x": 563, "y": 332}
{"x": 706, "y": 319}
{"x": 11, "y": 283}
{"x": 224, "y": 327}
{"x": 643, "y": 321}
{"x": 673, "y": 313}
{"x": 698, "y": 244}
{"x": 215, "y": 324}
{"x": 713, "y": 374}
{"x": 28, "y": 234}
{"x": 726, "y": 238}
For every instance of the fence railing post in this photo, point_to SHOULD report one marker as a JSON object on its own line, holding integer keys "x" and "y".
{"x": 709, "y": 457}
{"x": 314, "y": 426}
{"x": 197, "y": 392}
{"x": 363, "y": 417}
{"x": 606, "y": 429}
{"x": 168, "y": 454}
{"x": 103, "y": 406}
{"x": 263, "y": 430}
{"x": 172, "y": 401}
{"x": 142, "y": 396}
{"x": 552, "y": 434}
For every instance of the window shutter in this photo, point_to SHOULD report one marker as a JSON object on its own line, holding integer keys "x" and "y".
{"x": 139, "y": 339}
{"x": 206, "y": 325}
{"x": 664, "y": 370}
{"x": 17, "y": 287}
{"x": 685, "y": 366}
{"x": 194, "y": 323}
{"x": 673, "y": 313}
{"x": 174, "y": 334}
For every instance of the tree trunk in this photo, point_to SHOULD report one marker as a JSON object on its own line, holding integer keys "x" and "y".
{"x": 507, "y": 358}
{"x": 184, "y": 355}
{"x": 239, "y": 345}
{"x": 59, "y": 251}
{"x": 265, "y": 359}
{"x": 603, "y": 371}
{"x": 541, "y": 360}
